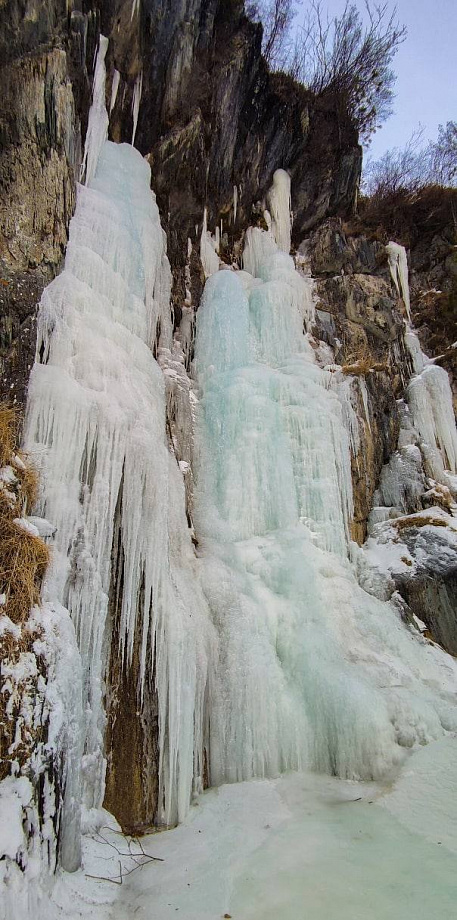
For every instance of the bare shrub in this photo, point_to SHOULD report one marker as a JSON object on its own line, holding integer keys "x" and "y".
{"x": 350, "y": 62}
{"x": 443, "y": 154}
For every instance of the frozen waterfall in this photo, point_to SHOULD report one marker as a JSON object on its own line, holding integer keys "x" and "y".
{"x": 312, "y": 671}
{"x": 96, "y": 426}
{"x": 264, "y": 650}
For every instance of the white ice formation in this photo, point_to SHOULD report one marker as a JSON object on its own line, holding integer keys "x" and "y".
{"x": 278, "y": 199}
{"x": 208, "y": 245}
{"x": 428, "y": 394}
{"x": 297, "y": 665}
{"x": 97, "y": 127}
{"x": 398, "y": 265}
{"x": 312, "y": 671}
{"x": 136, "y": 100}
{"x": 96, "y": 426}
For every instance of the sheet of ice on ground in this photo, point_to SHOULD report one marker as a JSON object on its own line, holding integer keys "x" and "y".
{"x": 308, "y": 847}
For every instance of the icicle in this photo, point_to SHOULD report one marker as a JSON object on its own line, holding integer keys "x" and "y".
{"x": 279, "y": 205}
{"x": 208, "y": 256}
{"x": 97, "y": 127}
{"x": 364, "y": 395}
{"x": 235, "y": 202}
{"x": 137, "y": 91}
{"x": 135, "y": 9}
{"x": 417, "y": 355}
{"x": 430, "y": 401}
{"x": 96, "y": 424}
{"x": 398, "y": 264}
{"x": 114, "y": 89}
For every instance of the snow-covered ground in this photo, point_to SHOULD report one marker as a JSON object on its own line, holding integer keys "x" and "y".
{"x": 302, "y": 847}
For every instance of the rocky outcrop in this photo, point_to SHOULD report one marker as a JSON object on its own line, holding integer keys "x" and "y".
{"x": 210, "y": 117}
{"x": 45, "y": 93}
{"x": 431, "y": 593}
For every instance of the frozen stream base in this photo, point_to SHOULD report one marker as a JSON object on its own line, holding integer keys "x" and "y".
{"x": 302, "y": 847}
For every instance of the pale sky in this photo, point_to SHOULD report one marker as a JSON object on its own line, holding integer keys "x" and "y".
{"x": 426, "y": 68}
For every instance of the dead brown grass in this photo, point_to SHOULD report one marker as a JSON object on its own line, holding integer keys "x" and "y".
{"x": 29, "y": 484}
{"x": 23, "y": 562}
{"x": 361, "y": 362}
{"x": 23, "y": 556}
{"x": 8, "y": 433}
{"x": 418, "y": 521}
{"x": 364, "y": 366}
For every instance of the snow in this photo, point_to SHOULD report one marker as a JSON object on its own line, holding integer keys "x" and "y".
{"x": 40, "y": 688}
{"x": 384, "y": 553}
{"x": 45, "y": 528}
{"x": 26, "y": 525}
{"x": 8, "y": 475}
{"x": 15, "y": 794}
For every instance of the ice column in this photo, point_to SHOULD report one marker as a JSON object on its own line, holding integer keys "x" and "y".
{"x": 137, "y": 92}
{"x": 398, "y": 265}
{"x": 114, "y": 89}
{"x": 96, "y": 425}
{"x": 279, "y": 204}
{"x": 97, "y": 128}
{"x": 208, "y": 255}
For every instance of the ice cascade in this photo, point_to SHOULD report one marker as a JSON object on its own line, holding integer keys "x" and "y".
{"x": 312, "y": 671}
{"x": 429, "y": 392}
{"x": 96, "y": 427}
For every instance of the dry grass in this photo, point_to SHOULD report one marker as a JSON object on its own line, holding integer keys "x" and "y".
{"x": 23, "y": 556}
{"x": 418, "y": 521}
{"x": 362, "y": 362}
{"x": 23, "y": 561}
{"x": 364, "y": 366}
{"x": 8, "y": 433}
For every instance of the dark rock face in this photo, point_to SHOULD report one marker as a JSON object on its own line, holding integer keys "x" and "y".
{"x": 431, "y": 593}
{"x": 210, "y": 117}
{"x": 358, "y": 316}
{"x": 45, "y": 91}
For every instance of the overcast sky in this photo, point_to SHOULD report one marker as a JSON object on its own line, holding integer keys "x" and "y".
{"x": 426, "y": 68}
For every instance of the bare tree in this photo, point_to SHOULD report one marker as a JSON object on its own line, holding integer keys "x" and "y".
{"x": 415, "y": 166}
{"x": 277, "y": 17}
{"x": 402, "y": 169}
{"x": 444, "y": 155}
{"x": 350, "y": 61}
